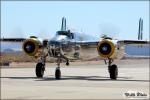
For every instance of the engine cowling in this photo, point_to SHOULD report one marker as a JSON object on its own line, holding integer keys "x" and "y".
{"x": 31, "y": 46}
{"x": 106, "y": 48}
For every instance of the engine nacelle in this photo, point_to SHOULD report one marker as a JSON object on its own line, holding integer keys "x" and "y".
{"x": 31, "y": 46}
{"x": 106, "y": 48}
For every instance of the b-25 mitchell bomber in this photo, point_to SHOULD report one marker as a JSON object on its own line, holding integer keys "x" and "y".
{"x": 66, "y": 45}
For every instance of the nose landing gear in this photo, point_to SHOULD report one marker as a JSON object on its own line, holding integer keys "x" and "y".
{"x": 58, "y": 71}
{"x": 67, "y": 63}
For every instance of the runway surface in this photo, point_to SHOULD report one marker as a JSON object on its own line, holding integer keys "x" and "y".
{"x": 78, "y": 82}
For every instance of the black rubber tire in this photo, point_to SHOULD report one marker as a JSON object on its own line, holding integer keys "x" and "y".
{"x": 39, "y": 70}
{"x": 57, "y": 74}
{"x": 67, "y": 63}
{"x": 113, "y": 71}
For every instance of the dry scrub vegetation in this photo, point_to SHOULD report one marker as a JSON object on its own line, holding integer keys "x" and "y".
{"x": 15, "y": 57}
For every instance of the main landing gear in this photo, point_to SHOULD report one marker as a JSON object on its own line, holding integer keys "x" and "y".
{"x": 113, "y": 69}
{"x": 40, "y": 68}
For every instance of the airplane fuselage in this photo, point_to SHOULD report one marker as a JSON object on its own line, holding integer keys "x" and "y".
{"x": 63, "y": 42}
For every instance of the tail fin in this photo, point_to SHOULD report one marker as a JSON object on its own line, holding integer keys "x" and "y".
{"x": 63, "y": 25}
{"x": 140, "y": 32}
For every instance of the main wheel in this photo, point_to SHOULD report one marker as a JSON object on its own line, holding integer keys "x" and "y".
{"x": 113, "y": 71}
{"x": 57, "y": 73}
{"x": 39, "y": 70}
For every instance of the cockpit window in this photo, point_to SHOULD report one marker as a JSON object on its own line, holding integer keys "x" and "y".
{"x": 62, "y": 33}
{"x": 67, "y": 33}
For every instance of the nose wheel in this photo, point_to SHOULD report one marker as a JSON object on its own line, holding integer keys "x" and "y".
{"x": 67, "y": 63}
{"x": 57, "y": 73}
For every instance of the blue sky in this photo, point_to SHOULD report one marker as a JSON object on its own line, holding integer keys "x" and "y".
{"x": 43, "y": 18}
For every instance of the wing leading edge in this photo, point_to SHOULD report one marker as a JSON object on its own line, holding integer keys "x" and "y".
{"x": 12, "y": 39}
{"x": 133, "y": 42}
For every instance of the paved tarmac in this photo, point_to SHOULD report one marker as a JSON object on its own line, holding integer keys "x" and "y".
{"x": 78, "y": 82}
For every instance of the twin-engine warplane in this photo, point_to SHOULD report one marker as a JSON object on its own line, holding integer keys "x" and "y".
{"x": 66, "y": 45}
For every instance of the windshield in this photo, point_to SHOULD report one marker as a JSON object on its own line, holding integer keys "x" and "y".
{"x": 67, "y": 33}
{"x": 62, "y": 33}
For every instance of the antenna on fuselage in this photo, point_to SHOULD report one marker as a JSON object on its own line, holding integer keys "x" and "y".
{"x": 63, "y": 25}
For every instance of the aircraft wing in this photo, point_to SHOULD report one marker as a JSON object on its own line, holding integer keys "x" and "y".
{"x": 133, "y": 42}
{"x": 12, "y": 39}
{"x": 87, "y": 43}
{"x": 116, "y": 49}
{"x": 124, "y": 42}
